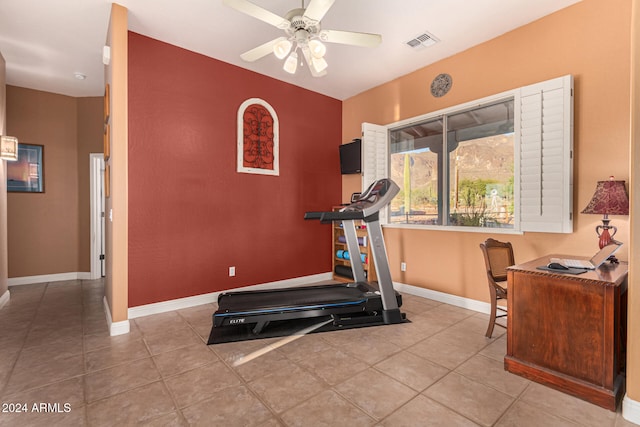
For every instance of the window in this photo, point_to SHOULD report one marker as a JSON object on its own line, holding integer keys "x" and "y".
{"x": 503, "y": 162}
{"x": 468, "y": 183}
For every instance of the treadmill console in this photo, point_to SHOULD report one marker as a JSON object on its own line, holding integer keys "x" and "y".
{"x": 365, "y": 207}
{"x": 373, "y": 199}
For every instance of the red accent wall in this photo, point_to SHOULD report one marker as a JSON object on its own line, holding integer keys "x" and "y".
{"x": 191, "y": 215}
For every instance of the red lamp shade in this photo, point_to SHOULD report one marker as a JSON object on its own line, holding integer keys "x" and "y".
{"x": 610, "y": 198}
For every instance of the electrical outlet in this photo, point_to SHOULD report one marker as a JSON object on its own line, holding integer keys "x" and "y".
{"x": 232, "y": 271}
{"x": 403, "y": 266}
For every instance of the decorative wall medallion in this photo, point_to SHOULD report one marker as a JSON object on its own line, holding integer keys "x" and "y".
{"x": 258, "y": 138}
{"x": 441, "y": 85}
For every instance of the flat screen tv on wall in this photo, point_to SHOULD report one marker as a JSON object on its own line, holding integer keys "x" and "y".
{"x": 351, "y": 157}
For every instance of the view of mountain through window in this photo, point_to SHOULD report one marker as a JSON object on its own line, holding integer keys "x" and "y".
{"x": 472, "y": 185}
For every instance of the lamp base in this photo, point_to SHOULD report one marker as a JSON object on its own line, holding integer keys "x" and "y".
{"x": 605, "y": 237}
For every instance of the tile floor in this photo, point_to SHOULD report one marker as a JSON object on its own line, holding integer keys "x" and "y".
{"x": 439, "y": 370}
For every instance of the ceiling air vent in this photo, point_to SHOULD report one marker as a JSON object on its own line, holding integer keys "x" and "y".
{"x": 423, "y": 40}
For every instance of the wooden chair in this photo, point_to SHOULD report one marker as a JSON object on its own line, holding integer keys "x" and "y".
{"x": 497, "y": 257}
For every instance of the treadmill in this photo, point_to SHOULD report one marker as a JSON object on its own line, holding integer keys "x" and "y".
{"x": 247, "y": 315}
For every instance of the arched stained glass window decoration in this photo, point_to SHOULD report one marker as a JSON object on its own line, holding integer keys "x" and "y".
{"x": 258, "y": 137}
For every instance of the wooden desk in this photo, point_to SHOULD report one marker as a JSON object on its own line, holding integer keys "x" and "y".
{"x": 569, "y": 331}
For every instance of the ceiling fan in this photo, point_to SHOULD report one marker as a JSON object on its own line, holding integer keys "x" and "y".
{"x": 303, "y": 31}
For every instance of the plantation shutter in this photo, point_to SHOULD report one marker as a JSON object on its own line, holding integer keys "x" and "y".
{"x": 544, "y": 156}
{"x": 375, "y": 157}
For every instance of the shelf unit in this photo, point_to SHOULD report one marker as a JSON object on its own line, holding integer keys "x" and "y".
{"x": 368, "y": 265}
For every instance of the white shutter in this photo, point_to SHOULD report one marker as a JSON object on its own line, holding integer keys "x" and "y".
{"x": 544, "y": 156}
{"x": 375, "y": 157}
{"x": 375, "y": 153}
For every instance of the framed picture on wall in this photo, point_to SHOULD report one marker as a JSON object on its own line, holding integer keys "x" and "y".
{"x": 107, "y": 180}
{"x": 258, "y": 138}
{"x": 26, "y": 175}
{"x": 107, "y": 142}
{"x": 107, "y": 103}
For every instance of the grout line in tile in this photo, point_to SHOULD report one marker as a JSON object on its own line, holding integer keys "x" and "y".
{"x": 88, "y": 306}
{"x": 165, "y": 385}
{"x": 219, "y": 360}
{"x": 3, "y": 389}
{"x": 517, "y": 399}
{"x": 246, "y": 384}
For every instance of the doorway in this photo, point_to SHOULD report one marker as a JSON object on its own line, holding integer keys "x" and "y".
{"x": 96, "y": 181}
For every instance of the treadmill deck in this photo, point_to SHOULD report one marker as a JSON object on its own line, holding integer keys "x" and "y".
{"x": 293, "y": 297}
{"x": 283, "y": 312}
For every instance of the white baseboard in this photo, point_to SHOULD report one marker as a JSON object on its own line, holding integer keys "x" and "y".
{"x": 469, "y": 304}
{"x": 171, "y": 305}
{"x": 4, "y": 299}
{"x": 180, "y": 303}
{"x": 118, "y": 328}
{"x": 115, "y": 328}
{"x": 28, "y": 280}
{"x": 631, "y": 410}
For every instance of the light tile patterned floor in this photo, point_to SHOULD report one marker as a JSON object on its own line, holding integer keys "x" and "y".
{"x": 438, "y": 370}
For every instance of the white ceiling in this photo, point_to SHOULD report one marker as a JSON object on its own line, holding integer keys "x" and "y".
{"x": 45, "y": 41}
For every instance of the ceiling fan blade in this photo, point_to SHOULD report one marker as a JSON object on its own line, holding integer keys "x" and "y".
{"x": 307, "y": 56}
{"x": 260, "y": 51}
{"x": 257, "y": 12}
{"x": 350, "y": 37}
{"x": 317, "y": 9}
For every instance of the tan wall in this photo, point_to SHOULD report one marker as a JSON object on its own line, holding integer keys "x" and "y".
{"x": 559, "y": 44}
{"x": 43, "y": 227}
{"x": 116, "y": 239}
{"x": 4, "y": 263}
{"x": 50, "y": 232}
{"x": 633, "y": 331}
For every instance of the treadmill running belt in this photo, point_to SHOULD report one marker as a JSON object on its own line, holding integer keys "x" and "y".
{"x": 293, "y": 297}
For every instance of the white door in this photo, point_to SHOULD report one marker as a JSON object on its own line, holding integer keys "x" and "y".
{"x": 96, "y": 173}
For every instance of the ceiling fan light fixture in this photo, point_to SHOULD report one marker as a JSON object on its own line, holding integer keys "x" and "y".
{"x": 303, "y": 32}
{"x": 319, "y": 64}
{"x": 317, "y": 48}
{"x": 291, "y": 64}
{"x": 282, "y": 48}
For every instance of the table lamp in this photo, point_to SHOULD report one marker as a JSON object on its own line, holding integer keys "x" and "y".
{"x": 610, "y": 198}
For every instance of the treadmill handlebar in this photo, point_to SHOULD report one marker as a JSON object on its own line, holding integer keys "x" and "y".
{"x": 313, "y": 215}
{"x": 325, "y": 217}
{"x": 366, "y": 207}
